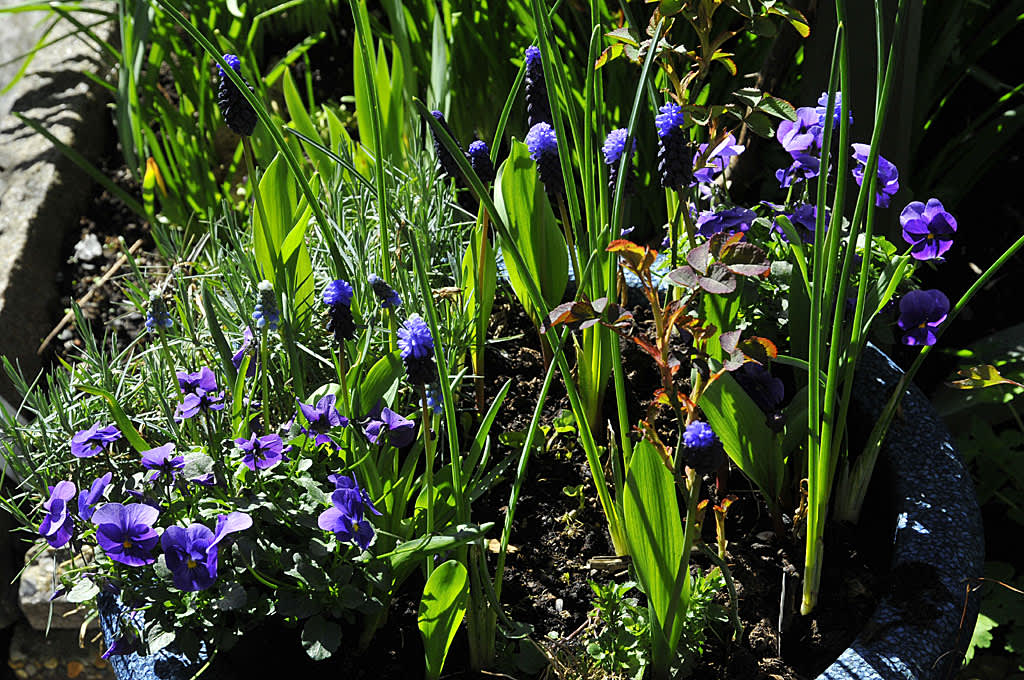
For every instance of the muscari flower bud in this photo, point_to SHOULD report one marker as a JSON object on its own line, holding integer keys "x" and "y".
{"x": 543, "y": 146}
{"x": 389, "y": 297}
{"x": 674, "y": 163}
{"x": 236, "y": 109}
{"x": 338, "y": 296}
{"x": 480, "y": 159}
{"x": 416, "y": 347}
{"x": 538, "y": 110}
{"x": 265, "y": 313}
{"x": 444, "y": 159}
{"x": 613, "y": 147}
{"x": 157, "y": 316}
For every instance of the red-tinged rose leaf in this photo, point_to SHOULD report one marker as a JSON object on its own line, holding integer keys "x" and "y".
{"x": 701, "y": 330}
{"x": 723, "y": 241}
{"x": 729, "y": 341}
{"x": 588, "y": 323}
{"x": 673, "y": 364}
{"x": 976, "y": 377}
{"x": 600, "y": 304}
{"x": 749, "y": 269}
{"x": 637, "y": 258}
{"x": 570, "y": 313}
{"x": 734, "y": 361}
{"x": 723, "y": 505}
{"x": 720, "y": 281}
{"x": 684, "y": 276}
{"x": 761, "y": 350}
{"x": 653, "y": 351}
{"x": 698, "y": 257}
{"x": 662, "y": 397}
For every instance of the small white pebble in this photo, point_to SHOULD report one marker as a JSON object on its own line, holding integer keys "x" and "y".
{"x": 558, "y": 605}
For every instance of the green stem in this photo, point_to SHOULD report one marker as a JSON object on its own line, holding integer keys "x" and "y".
{"x": 567, "y": 226}
{"x": 428, "y": 450}
{"x": 265, "y": 378}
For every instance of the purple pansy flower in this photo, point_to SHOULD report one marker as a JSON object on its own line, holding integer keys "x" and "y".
{"x": 88, "y": 443}
{"x": 803, "y": 168}
{"x": 200, "y": 390}
{"x": 921, "y": 312}
{"x": 888, "y": 175}
{"x": 347, "y": 484}
{"x": 345, "y": 516}
{"x": 124, "y": 644}
{"x": 804, "y": 218}
{"x": 802, "y": 135}
{"x": 87, "y": 499}
{"x": 322, "y": 418}
{"x": 247, "y": 343}
{"x": 162, "y": 462}
{"x": 731, "y": 219}
{"x": 58, "y": 525}
{"x": 191, "y": 553}
{"x": 928, "y": 228}
{"x": 126, "y": 533}
{"x": 716, "y": 160}
{"x": 262, "y": 453}
{"x": 386, "y": 427}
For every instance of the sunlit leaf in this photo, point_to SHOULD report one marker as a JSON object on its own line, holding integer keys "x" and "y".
{"x": 975, "y": 377}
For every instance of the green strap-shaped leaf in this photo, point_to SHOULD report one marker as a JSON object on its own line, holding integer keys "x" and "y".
{"x": 441, "y": 611}
{"x": 378, "y": 381}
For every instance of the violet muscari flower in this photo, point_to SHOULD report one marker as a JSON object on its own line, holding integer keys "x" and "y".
{"x": 345, "y": 516}
{"x": 921, "y": 312}
{"x": 384, "y": 426}
{"x": 479, "y": 156}
{"x": 538, "y": 109}
{"x": 444, "y": 159}
{"x": 416, "y": 347}
{"x": 716, "y": 161}
{"x": 265, "y": 314}
{"x": 156, "y": 315}
{"x": 388, "y": 296}
{"x": 802, "y": 135}
{"x": 701, "y": 449}
{"x": 322, "y": 418}
{"x": 928, "y": 228}
{"x": 247, "y": 344}
{"x": 87, "y": 500}
{"x": 262, "y": 453}
{"x": 191, "y": 553}
{"x": 613, "y": 148}
{"x": 58, "y": 525}
{"x": 337, "y": 296}
{"x": 163, "y": 462}
{"x": 729, "y": 219}
{"x": 200, "y": 393}
{"x": 126, "y": 533}
{"x": 236, "y": 109}
{"x": 675, "y": 168}
{"x": 888, "y": 176}
{"x": 89, "y": 442}
{"x": 543, "y": 146}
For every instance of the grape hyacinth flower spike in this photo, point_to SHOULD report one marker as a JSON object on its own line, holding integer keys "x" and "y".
{"x": 614, "y": 146}
{"x": 388, "y": 296}
{"x": 888, "y": 176}
{"x": 416, "y": 347}
{"x": 701, "y": 449}
{"x": 538, "y": 109}
{"x": 674, "y": 165}
{"x": 921, "y": 313}
{"x": 157, "y": 316}
{"x": 479, "y": 156}
{"x": 928, "y": 228}
{"x": 265, "y": 314}
{"x": 338, "y": 298}
{"x": 235, "y": 108}
{"x": 444, "y": 159}
{"x": 543, "y": 145}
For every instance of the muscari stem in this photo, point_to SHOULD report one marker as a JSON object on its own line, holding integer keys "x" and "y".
{"x": 428, "y": 469}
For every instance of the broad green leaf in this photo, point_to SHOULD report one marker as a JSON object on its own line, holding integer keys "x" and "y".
{"x": 278, "y": 195}
{"x": 523, "y": 205}
{"x": 303, "y": 123}
{"x": 388, "y": 369}
{"x": 123, "y": 423}
{"x": 654, "y": 531}
{"x": 442, "y": 608}
{"x": 982, "y": 636}
{"x": 480, "y": 283}
{"x": 418, "y": 548}
{"x": 361, "y": 91}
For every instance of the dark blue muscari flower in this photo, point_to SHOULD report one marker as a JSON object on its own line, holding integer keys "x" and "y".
{"x": 921, "y": 313}
{"x": 262, "y": 453}
{"x": 199, "y": 392}
{"x": 388, "y": 296}
{"x": 761, "y": 386}
{"x": 729, "y": 219}
{"x": 338, "y": 298}
{"x": 156, "y": 315}
{"x": 236, "y": 109}
{"x": 89, "y": 442}
{"x": 480, "y": 160}
{"x": 416, "y": 347}
{"x": 87, "y": 500}
{"x": 701, "y": 449}
{"x": 126, "y": 533}
{"x": 543, "y": 145}
{"x": 265, "y": 313}
{"x": 58, "y": 525}
{"x": 888, "y": 176}
{"x": 321, "y": 418}
{"x": 538, "y": 109}
{"x": 444, "y": 159}
{"x": 716, "y": 161}
{"x": 163, "y": 462}
{"x": 435, "y": 401}
{"x": 191, "y": 553}
{"x": 928, "y": 228}
{"x": 674, "y": 164}
{"x": 345, "y": 516}
{"x": 614, "y": 146}
{"x": 385, "y": 427}
{"x": 248, "y": 340}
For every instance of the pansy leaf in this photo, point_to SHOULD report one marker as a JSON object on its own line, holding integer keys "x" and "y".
{"x": 83, "y": 591}
{"x": 320, "y": 638}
